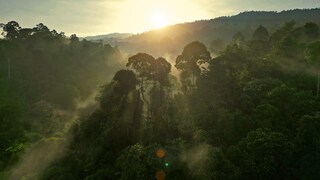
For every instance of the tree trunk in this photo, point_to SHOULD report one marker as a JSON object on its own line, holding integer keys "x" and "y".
{"x": 144, "y": 100}
{"x": 9, "y": 68}
{"x": 192, "y": 77}
{"x": 318, "y": 84}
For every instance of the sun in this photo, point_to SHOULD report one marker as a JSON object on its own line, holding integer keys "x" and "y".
{"x": 159, "y": 19}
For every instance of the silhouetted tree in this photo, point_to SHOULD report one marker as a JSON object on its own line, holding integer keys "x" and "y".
{"x": 189, "y": 62}
{"x": 261, "y": 34}
{"x": 312, "y": 30}
{"x": 308, "y": 146}
{"x": 280, "y": 33}
{"x": 150, "y": 69}
{"x": 142, "y": 63}
{"x": 74, "y": 38}
{"x": 238, "y": 39}
{"x": 162, "y": 69}
{"x": 11, "y": 30}
{"x": 126, "y": 81}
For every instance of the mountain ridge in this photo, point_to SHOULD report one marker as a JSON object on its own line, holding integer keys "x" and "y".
{"x": 171, "y": 39}
{"x": 111, "y": 36}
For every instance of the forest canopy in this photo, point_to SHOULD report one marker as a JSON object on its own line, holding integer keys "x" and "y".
{"x": 251, "y": 112}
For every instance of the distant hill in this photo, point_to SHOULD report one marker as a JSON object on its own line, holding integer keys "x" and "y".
{"x": 113, "y": 37}
{"x": 171, "y": 39}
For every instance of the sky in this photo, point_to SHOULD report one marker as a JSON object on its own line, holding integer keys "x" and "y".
{"x": 93, "y": 17}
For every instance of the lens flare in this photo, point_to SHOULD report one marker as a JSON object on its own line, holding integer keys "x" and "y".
{"x": 160, "y": 153}
{"x": 160, "y": 175}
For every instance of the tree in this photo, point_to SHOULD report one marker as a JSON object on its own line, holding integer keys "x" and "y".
{"x": 313, "y": 56}
{"x": 216, "y": 45}
{"x": 261, "y": 34}
{"x": 238, "y": 39}
{"x": 142, "y": 63}
{"x": 308, "y": 146}
{"x": 313, "y": 52}
{"x": 150, "y": 69}
{"x": 41, "y": 28}
{"x": 266, "y": 155}
{"x": 24, "y": 33}
{"x": 312, "y": 30}
{"x": 162, "y": 69}
{"x": 259, "y": 44}
{"x": 126, "y": 79}
{"x": 11, "y": 30}
{"x": 133, "y": 163}
{"x": 193, "y": 55}
{"x": 279, "y": 34}
{"x": 74, "y": 39}
{"x": 123, "y": 82}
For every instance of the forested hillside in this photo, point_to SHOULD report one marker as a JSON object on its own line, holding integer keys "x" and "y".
{"x": 250, "y": 111}
{"x": 216, "y": 33}
{"x": 45, "y": 77}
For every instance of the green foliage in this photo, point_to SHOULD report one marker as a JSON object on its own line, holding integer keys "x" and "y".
{"x": 280, "y": 33}
{"x": 101, "y": 174}
{"x": 249, "y": 113}
{"x": 133, "y": 163}
{"x": 217, "y": 45}
{"x": 143, "y": 64}
{"x": 313, "y": 52}
{"x": 312, "y": 30}
{"x": 11, "y": 30}
{"x": 189, "y": 62}
{"x": 238, "y": 39}
{"x": 43, "y": 76}
{"x": 149, "y": 68}
{"x": 308, "y": 147}
{"x": 126, "y": 81}
{"x": 266, "y": 155}
{"x": 261, "y": 34}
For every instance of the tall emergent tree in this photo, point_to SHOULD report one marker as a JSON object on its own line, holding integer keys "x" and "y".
{"x": 150, "y": 69}
{"x": 10, "y": 30}
{"x": 189, "y": 62}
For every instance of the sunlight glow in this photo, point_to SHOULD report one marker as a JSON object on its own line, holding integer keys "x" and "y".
{"x": 159, "y": 19}
{"x": 141, "y": 15}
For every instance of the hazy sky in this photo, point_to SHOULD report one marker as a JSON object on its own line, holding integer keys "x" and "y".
{"x": 90, "y": 17}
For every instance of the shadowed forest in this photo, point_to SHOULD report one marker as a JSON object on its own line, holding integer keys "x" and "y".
{"x": 244, "y": 107}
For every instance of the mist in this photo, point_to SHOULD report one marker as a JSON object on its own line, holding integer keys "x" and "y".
{"x": 227, "y": 98}
{"x": 40, "y": 155}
